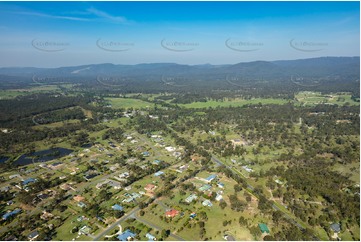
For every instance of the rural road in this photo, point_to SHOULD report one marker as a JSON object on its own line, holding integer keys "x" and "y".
{"x": 131, "y": 214}
{"x": 251, "y": 188}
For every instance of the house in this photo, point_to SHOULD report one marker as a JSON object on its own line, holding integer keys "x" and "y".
{"x": 191, "y": 198}
{"x": 136, "y": 195}
{"x": 84, "y": 230}
{"x": 247, "y": 168}
{"x": 171, "y": 213}
{"x": 79, "y": 198}
{"x": 220, "y": 185}
{"x": 205, "y": 187}
{"x": 156, "y": 162}
{"x": 117, "y": 207}
{"x": 170, "y": 148}
{"x": 33, "y": 235}
{"x": 150, "y": 237}
{"x": 336, "y": 227}
{"x": 81, "y": 205}
{"x": 46, "y": 215}
{"x": 14, "y": 176}
{"x": 128, "y": 200}
{"x": 146, "y": 153}
{"x": 263, "y": 228}
{"x": 27, "y": 181}
{"x": 114, "y": 184}
{"x": 193, "y": 215}
{"x": 128, "y": 188}
{"x": 124, "y": 175}
{"x": 126, "y": 235}
{"x": 150, "y": 187}
{"x": 219, "y": 197}
{"x": 159, "y": 173}
{"x": 207, "y": 203}
{"x": 210, "y": 178}
{"x": 10, "y": 214}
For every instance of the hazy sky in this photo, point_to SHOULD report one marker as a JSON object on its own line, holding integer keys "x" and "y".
{"x": 52, "y": 34}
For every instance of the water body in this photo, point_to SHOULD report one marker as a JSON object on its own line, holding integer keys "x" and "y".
{"x": 42, "y": 156}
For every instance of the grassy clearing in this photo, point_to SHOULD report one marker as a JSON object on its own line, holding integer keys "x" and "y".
{"x": 352, "y": 168}
{"x": 127, "y": 103}
{"x": 314, "y": 98}
{"x": 234, "y": 103}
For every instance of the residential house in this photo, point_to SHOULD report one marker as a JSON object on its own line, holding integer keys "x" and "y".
{"x": 219, "y": 197}
{"x": 210, "y": 178}
{"x": 159, "y": 173}
{"x": 207, "y": 203}
{"x": 46, "y": 215}
{"x": 84, "y": 230}
{"x": 191, "y": 198}
{"x": 81, "y": 205}
{"x": 336, "y": 227}
{"x": 146, "y": 153}
{"x": 33, "y": 235}
{"x": 156, "y": 162}
{"x": 205, "y": 187}
{"x": 117, "y": 207}
{"x": 150, "y": 187}
{"x": 28, "y": 181}
{"x": 193, "y": 215}
{"x": 170, "y": 148}
{"x": 79, "y": 198}
{"x": 171, "y": 213}
{"x": 11, "y": 214}
{"x": 128, "y": 188}
{"x": 220, "y": 185}
{"x": 126, "y": 235}
{"x": 150, "y": 237}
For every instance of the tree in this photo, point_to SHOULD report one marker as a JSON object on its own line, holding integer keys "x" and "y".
{"x": 237, "y": 188}
{"x": 222, "y": 204}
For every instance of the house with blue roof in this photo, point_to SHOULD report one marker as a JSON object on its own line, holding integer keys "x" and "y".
{"x": 126, "y": 235}
{"x": 27, "y": 181}
{"x": 159, "y": 173}
{"x": 10, "y": 214}
{"x": 211, "y": 178}
{"x": 117, "y": 207}
{"x": 146, "y": 153}
{"x": 156, "y": 162}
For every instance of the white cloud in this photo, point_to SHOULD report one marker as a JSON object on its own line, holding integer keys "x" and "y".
{"x": 107, "y": 16}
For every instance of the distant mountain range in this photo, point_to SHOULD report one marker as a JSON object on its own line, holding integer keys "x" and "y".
{"x": 315, "y": 67}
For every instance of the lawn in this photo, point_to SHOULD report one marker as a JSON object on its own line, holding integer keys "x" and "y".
{"x": 313, "y": 98}
{"x": 235, "y": 103}
{"x": 127, "y": 103}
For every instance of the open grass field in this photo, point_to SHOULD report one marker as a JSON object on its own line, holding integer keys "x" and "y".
{"x": 314, "y": 98}
{"x": 127, "y": 103}
{"x": 234, "y": 103}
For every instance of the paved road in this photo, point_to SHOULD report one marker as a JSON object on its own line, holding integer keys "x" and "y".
{"x": 157, "y": 228}
{"x": 111, "y": 227}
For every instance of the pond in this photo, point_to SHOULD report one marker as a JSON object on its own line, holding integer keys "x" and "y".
{"x": 42, "y": 156}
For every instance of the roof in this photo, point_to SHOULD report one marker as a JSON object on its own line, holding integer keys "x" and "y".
{"x": 33, "y": 234}
{"x": 172, "y": 213}
{"x": 29, "y": 180}
{"x": 191, "y": 198}
{"x": 125, "y": 235}
{"x": 336, "y": 227}
{"x": 205, "y": 188}
{"x": 117, "y": 207}
{"x": 158, "y": 173}
{"x": 149, "y": 236}
{"x": 263, "y": 228}
{"x": 207, "y": 203}
{"x": 149, "y": 187}
{"x": 9, "y": 214}
{"x": 78, "y": 198}
{"x": 211, "y": 177}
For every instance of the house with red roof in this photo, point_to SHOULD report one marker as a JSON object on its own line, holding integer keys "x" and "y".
{"x": 171, "y": 213}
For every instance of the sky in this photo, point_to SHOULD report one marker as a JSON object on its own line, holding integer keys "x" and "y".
{"x": 54, "y": 34}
